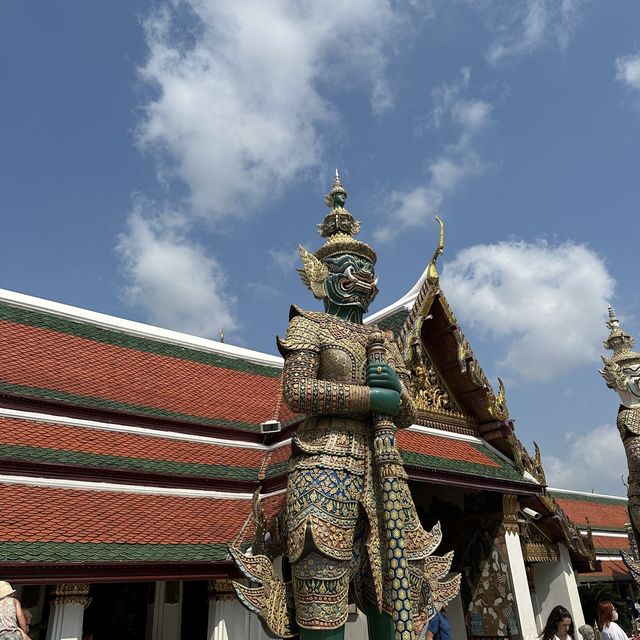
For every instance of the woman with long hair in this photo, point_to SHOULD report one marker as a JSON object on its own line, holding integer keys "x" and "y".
{"x": 607, "y": 616}
{"x": 559, "y": 625}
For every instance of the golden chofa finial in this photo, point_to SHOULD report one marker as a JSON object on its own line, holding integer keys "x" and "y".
{"x": 432, "y": 271}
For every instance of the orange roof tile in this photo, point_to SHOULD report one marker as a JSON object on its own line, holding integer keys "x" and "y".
{"x": 610, "y": 542}
{"x": 35, "y": 357}
{"x": 447, "y": 448}
{"x": 599, "y": 514}
{"x": 98, "y": 441}
{"x": 48, "y": 514}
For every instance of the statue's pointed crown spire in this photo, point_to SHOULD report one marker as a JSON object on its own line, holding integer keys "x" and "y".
{"x": 339, "y": 227}
{"x": 620, "y": 342}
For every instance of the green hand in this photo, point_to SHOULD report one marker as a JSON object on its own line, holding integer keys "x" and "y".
{"x": 385, "y": 401}
{"x": 383, "y": 376}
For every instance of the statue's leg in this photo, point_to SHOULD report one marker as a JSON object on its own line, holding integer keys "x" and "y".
{"x": 380, "y": 624}
{"x": 320, "y": 591}
{"x": 322, "y": 634}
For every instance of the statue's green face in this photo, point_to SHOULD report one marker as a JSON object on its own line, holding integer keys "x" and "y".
{"x": 351, "y": 281}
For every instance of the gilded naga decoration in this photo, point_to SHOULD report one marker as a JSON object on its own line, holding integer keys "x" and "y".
{"x": 350, "y": 528}
{"x": 621, "y": 372}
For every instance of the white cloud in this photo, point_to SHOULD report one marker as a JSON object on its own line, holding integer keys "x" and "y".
{"x": 546, "y": 303}
{"x": 472, "y": 115}
{"x": 524, "y": 27}
{"x": 413, "y": 207}
{"x": 172, "y": 278}
{"x": 594, "y": 460}
{"x": 285, "y": 260}
{"x": 238, "y": 109}
{"x": 628, "y": 71}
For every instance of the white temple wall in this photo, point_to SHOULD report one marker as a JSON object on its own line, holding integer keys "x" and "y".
{"x": 167, "y": 613}
{"x": 556, "y": 584}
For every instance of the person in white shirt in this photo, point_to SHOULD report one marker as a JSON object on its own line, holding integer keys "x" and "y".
{"x": 559, "y": 625}
{"x": 607, "y": 616}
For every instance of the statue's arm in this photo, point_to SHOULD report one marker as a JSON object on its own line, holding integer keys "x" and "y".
{"x": 303, "y": 391}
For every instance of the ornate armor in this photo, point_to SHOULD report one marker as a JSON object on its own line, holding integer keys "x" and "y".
{"x": 332, "y": 500}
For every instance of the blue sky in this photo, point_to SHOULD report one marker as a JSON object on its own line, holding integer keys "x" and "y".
{"x": 160, "y": 161}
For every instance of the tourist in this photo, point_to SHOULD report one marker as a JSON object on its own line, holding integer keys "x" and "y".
{"x": 559, "y": 625}
{"x": 607, "y": 616}
{"x": 587, "y": 632}
{"x": 13, "y": 626}
{"x": 439, "y": 627}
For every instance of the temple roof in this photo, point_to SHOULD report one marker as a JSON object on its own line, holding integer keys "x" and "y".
{"x": 61, "y": 355}
{"x": 140, "y": 446}
{"x": 606, "y": 517}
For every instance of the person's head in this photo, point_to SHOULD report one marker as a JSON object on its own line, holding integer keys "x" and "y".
{"x": 586, "y": 631}
{"x": 606, "y": 613}
{"x": 6, "y": 589}
{"x": 559, "y": 623}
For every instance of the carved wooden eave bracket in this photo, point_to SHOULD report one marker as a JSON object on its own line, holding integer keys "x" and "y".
{"x": 524, "y": 461}
{"x": 556, "y": 525}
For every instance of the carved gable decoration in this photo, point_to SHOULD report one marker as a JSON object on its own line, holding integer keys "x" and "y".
{"x": 429, "y": 391}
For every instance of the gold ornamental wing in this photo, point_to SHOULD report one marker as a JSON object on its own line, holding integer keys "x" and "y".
{"x": 314, "y": 273}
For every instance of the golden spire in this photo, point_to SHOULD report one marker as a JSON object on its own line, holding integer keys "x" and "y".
{"x": 432, "y": 272}
{"x": 620, "y": 342}
{"x": 330, "y": 198}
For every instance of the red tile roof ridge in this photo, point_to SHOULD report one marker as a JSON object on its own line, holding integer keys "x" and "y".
{"x": 451, "y": 435}
{"x": 31, "y": 416}
{"x": 112, "y": 487}
{"x": 419, "y": 428}
{"x": 131, "y": 327}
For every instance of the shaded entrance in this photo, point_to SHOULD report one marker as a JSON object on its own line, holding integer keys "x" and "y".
{"x": 119, "y": 610}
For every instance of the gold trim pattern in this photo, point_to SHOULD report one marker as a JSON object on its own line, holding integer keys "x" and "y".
{"x": 510, "y": 513}
{"x": 70, "y": 594}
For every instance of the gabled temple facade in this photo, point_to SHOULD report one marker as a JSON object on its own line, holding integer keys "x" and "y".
{"x": 130, "y": 456}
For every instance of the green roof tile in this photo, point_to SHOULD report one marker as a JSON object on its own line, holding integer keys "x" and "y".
{"x": 63, "y": 552}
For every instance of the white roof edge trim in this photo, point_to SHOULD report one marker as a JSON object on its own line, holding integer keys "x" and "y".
{"x": 143, "y": 431}
{"x": 137, "y": 328}
{"x": 59, "y": 483}
{"x": 587, "y": 493}
{"x": 446, "y": 434}
{"x": 405, "y": 302}
{"x": 603, "y": 534}
{"x": 610, "y": 558}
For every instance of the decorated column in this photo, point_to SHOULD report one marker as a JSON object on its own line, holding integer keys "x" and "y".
{"x": 67, "y": 611}
{"x": 517, "y": 569}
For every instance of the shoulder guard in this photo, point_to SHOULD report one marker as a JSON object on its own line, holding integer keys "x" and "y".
{"x": 302, "y": 333}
